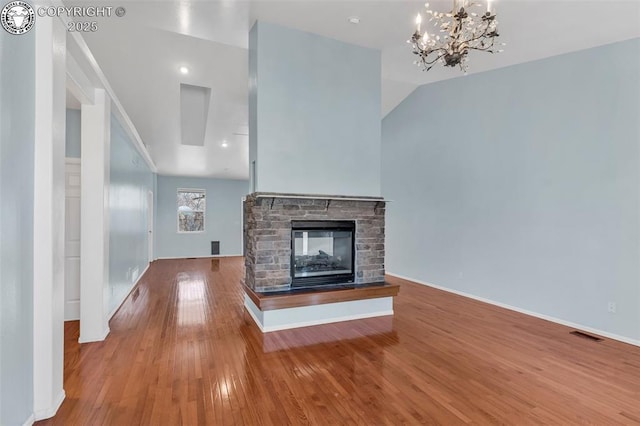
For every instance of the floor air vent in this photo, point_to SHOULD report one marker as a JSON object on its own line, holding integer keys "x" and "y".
{"x": 586, "y": 336}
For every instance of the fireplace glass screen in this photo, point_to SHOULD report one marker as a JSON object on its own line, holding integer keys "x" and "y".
{"x": 323, "y": 255}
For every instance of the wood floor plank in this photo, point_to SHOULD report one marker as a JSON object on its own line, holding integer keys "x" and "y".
{"x": 183, "y": 351}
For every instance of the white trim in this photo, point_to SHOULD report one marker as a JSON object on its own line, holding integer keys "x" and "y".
{"x": 113, "y": 312}
{"x": 99, "y": 338}
{"x": 73, "y": 170}
{"x": 30, "y": 420}
{"x": 204, "y": 212}
{"x": 77, "y": 82}
{"x": 204, "y": 191}
{"x": 242, "y": 238}
{"x": 252, "y": 309}
{"x": 48, "y": 214}
{"x": 322, "y": 315}
{"x": 150, "y": 225}
{"x": 524, "y": 311}
{"x": 51, "y": 411}
{"x": 72, "y": 310}
{"x": 94, "y": 216}
{"x": 118, "y": 109}
{"x": 213, "y": 256}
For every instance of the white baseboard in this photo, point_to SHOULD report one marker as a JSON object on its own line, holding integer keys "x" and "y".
{"x": 250, "y": 306}
{"x": 318, "y": 314}
{"x": 31, "y": 420}
{"x": 213, "y": 256}
{"x": 99, "y": 338}
{"x": 72, "y": 310}
{"x": 113, "y": 312}
{"x": 51, "y": 411}
{"x": 582, "y": 327}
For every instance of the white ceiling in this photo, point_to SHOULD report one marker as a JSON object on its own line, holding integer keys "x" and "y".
{"x": 141, "y": 53}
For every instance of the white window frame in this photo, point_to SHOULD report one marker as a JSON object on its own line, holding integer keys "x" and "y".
{"x": 204, "y": 212}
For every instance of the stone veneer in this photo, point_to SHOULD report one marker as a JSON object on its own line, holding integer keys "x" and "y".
{"x": 267, "y": 235}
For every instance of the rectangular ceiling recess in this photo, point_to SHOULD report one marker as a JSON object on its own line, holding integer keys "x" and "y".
{"x": 194, "y": 110}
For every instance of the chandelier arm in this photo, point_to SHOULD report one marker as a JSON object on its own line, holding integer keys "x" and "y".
{"x": 483, "y": 49}
{"x": 424, "y": 56}
{"x": 433, "y": 62}
{"x": 483, "y": 35}
{"x": 466, "y": 43}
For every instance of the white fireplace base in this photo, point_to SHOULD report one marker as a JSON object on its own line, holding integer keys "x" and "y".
{"x": 304, "y": 316}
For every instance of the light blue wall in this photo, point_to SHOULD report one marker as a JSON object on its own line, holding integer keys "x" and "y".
{"x": 223, "y": 217}
{"x": 72, "y": 141}
{"x": 17, "y": 139}
{"x": 314, "y": 113}
{"x": 253, "y": 106}
{"x": 521, "y": 185}
{"x": 130, "y": 181}
{"x": 155, "y": 215}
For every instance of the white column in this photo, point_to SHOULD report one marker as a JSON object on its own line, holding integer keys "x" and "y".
{"x": 48, "y": 218}
{"x": 94, "y": 222}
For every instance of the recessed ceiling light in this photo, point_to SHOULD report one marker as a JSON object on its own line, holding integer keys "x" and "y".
{"x": 184, "y": 70}
{"x": 354, "y": 20}
{"x": 224, "y": 144}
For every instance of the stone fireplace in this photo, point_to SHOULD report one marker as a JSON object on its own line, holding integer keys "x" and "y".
{"x": 293, "y": 241}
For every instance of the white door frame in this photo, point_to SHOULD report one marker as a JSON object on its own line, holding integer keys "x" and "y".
{"x": 72, "y": 249}
{"x": 48, "y": 217}
{"x": 150, "y": 225}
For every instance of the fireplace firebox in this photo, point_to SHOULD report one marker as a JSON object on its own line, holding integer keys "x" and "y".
{"x": 322, "y": 253}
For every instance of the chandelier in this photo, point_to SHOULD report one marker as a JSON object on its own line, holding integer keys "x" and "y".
{"x": 457, "y": 32}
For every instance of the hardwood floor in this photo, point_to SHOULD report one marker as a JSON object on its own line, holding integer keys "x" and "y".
{"x": 182, "y": 351}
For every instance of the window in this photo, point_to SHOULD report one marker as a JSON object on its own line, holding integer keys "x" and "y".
{"x": 191, "y": 208}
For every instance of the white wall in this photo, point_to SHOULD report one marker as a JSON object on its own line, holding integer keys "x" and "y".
{"x": 223, "y": 217}
{"x": 314, "y": 113}
{"x": 522, "y": 186}
{"x": 17, "y": 115}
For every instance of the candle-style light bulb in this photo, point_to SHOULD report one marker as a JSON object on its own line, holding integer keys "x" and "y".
{"x": 418, "y": 22}
{"x": 489, "y": 8}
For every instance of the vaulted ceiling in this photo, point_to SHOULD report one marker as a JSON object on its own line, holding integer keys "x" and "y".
{"x": 141, "y": 54}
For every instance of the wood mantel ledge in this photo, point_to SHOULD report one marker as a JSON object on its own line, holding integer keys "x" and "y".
{"x": 318, "y": 197}
{"x": 297, "y": 298}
